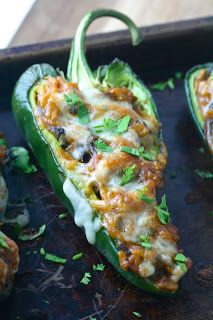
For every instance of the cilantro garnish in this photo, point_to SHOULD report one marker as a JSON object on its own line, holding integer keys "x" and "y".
{"x": 20, "y": 160}
{"x": 140, "y": 152}
{"x": 162, "y": 211}
{"x": 178, "y": 75}
{"x": 52, "y": 257}
{"x": 144, "y": 241}
{"x": 128, "y": 175}
{"x": 86, "y": 278}
{"x": 146, "y": 199}
{"x": 119, "y": 126}
{"x": 77, "y": 256}
{"x": 170, "y": 83}
{"x": 3, "y": 243}
{"x": 73, "y": 100}
{"x": 102, "y": 146}
{"x": 204, "y": 174}
{"x": 28, "y": 237}
{"x": 137, "y": 314}
{"x": 99, "y": 267}
{"x": 63, "y": 215}
{"x": 92, "y": 318}
{"x": 181, "y": 261}
{"x": 201, "y": 150}
{"x": 123, "y": 124}
{"x": 83, "y": 114}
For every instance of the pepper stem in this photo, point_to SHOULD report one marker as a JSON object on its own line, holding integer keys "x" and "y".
{"x": 78, "y": 69}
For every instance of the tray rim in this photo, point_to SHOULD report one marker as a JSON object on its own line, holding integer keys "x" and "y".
{"x": 150, "y": 33}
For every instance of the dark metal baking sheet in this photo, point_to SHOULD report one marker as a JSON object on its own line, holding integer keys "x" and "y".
{"x": 45, "y": 291}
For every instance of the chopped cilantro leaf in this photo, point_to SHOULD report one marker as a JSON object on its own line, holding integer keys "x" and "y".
{"x": 170, "y": 83}
{"x": 20, "y": 160}
{"x": 204, "y": 174}
{"x": 102, "y": 146}
{"x": 77, "y": 256}
{"x": 28, "y": 237}
{"x": 86, "y": 278}
{"x": 178, "y": 75}
{"x": 83, "y": 114}
{"x": 201, "y": 150}
{"x": 128, "y": 175}
{"x": 110, "y": 124}
{"x": 181, "y": 261}
{"x": 99, "y": 267}
{"x": 137, "y": 314}
{"x": 92, "y": 318}
{"x": 146, "y": 199}
{"x": 3, "y": 243}
{"x": 52, "y": 257}
{"x": 138, "y": 152}
{"x": 72, "y": 99}
{"x": 42, "y": 252}
{"x": 123, "y": 124}
{"x": 162, "y": 211}
{"x": 132, "y": 151}
{"x": 63, "y": 215}
{"x": 144, "y": 241}
{"x": 160, "y": 86}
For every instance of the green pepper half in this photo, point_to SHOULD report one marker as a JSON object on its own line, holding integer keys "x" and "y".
{"x": 43, "y": 143}
{"x": 204, "y": 126}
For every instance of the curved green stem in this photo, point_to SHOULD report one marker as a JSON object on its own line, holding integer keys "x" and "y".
{"x": 78, "y": 69}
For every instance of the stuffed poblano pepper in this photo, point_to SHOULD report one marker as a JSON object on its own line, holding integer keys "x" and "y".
{"x": 98, "y": 139}
{"x": 199, "y": 92}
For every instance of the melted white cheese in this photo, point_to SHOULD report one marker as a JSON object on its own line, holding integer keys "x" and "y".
{"x": 146, "y": 269}
{"x": 84, "y": 216}
{"x": 95, "y": 97}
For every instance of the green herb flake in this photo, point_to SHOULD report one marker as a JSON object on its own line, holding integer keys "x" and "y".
{"x": 137, "y": 314}
{"x": 3, "y": 243}
{"x": 160, "y": 86}
{"x": 204, "y": 174}
{"x": 52, "y": 257}
{"x": 162, "y": 211}
{"x": 29, "y": 237}
{"x": 178, "y": 75}
{"x": 211, "y": 213}
{"x": 20, "y": 160}
{"x": 170, "y": 83}
{"x": 181, "y": 261}
{"x": 102, "y": 146}
{"x": 140, "y": 152}
{"x": 86, "y": 278}
{"x": 99, "y": 267}
{"x": 109, "y": 124}
{"x": 83, "y": 114}
{"x": 128, "y": 175}
{"x": 77, "y": 256}
{"x": 63, "y": 215}
{"x": 146, "y": 199}
{"x": 201, "y": 150}
{"x": 92, "y": 318}
{"x": 72, "y": 99}
{"x": 144, "y": 241}
{"x": 132, "y": 151}
{"x": 123, "y": 124}
{"x": 42, "y": 252}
